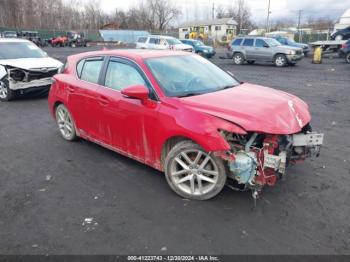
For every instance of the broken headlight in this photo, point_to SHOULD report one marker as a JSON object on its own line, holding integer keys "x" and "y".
{"x": 17, "y": 74}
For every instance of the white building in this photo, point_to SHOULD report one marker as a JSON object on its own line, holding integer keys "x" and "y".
{"x": 215, "y": 29}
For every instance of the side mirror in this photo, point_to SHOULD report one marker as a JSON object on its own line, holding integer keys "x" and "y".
{"x": 266, "y": 46}
{"x": 137, "y": 92}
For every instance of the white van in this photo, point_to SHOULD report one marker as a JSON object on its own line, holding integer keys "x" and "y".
{"x": 161, "y": 42}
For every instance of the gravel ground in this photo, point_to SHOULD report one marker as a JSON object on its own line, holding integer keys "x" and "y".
{"x": 49, "y": 188}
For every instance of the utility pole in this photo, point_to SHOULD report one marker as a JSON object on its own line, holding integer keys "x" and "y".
{"x": 299, "y": 29}
{"x": 212, "y": 12}
{"x": 240, "y": 6}
{"x": 268, "y": 18}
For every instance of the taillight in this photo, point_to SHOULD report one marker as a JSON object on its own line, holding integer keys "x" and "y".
{"x": 344, "y": 46}
{"x": 229, "y": 46}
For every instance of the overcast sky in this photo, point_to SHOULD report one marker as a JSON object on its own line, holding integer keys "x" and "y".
{"x": 279, "y": 8}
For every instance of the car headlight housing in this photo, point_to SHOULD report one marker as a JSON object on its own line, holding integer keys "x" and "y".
{"x": 292, "y": 52}
{"x": 205, "y": 50}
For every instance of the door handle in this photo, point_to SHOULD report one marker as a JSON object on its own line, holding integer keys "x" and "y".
{"x": 103, "y": 100}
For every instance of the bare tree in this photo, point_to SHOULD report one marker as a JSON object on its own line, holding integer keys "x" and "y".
{"x": 240, "y": 12}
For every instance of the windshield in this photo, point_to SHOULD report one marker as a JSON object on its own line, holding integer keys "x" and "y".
{"x": 189, "y": 75}
{"x": 198, "y": 43}
{"x": 272, "y": 42}
{"x": 16, "y": 50}
{"x": 291, "y": 41}
{"x": 173, "y": 41}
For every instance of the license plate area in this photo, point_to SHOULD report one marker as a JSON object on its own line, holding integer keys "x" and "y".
{"x": 310, "y": 139}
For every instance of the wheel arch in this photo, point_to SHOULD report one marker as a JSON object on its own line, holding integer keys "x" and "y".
{"x": 54, "y": 106}
{"x": 239, "y": 52}
{"x": 169, "y": 143}
{"x": 279, "y": 53}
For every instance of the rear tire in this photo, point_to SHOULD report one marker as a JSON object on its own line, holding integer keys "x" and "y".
{"x": 347, "y": 58}
{"x": 6, "y": 94}
{"x": 193, "y": 173}
{"x": 339, "y": 37}
{"x": 65, "y": 123}
{"x": 280, "y": 60}
{"x": 238, "y": 59}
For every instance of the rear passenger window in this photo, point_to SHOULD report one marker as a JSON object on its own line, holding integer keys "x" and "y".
{"x": 91, "y": 70}
{"x": 259, "y": 43}
{"x": 154, "y": 41}
{"x": 142, "y": 39}
{"x": 248, "y": 42}
{"x": 237, "y": 41}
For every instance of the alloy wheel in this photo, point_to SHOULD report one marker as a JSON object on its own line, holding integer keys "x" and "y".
{"x": 65, "y": 123}
{"x": 348, "y": 58}
{"x": 3, "y": 90}
{"x": 238, "y": 59}
{"x": 339, "y": 37}
{"x": 194, "y": 172}
{"x": 280, "y": 61}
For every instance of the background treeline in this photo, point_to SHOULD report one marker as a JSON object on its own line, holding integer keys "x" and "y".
{"x": 75, "y": 14}
{"x": 152, "y": 15}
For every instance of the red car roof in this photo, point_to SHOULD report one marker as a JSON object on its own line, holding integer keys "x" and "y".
{"x": 133, "y": 54}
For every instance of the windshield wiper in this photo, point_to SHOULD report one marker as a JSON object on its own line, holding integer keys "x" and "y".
{"x": 226, "y": 87}
{"x": 190, "y": 94}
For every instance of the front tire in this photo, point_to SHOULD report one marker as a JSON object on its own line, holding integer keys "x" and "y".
{"x": 339, "y": 37}
{"x": 65, "y": 123}
{"x": 193, "y": 173}
{"x": 280, "y": 60}
{"x": 347, "y": 58}
{"x": 238, "y": 59}
{"x": 6, "y": 94}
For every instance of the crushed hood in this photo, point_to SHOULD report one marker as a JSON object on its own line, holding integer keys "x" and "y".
{"x": 32, "y": 63}
{"x": 255, "y": 108}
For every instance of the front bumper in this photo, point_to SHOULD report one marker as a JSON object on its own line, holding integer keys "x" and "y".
{"x": 208, "y": 53}
{"x": 307, "y": 145}
{"x": 294, "y": 58}
{"x": 18, "y": 85}
{"x": 256, "y": 167}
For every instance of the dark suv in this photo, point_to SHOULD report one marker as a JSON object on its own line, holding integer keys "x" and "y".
{"x": 343, "y": 34}
{"x": 345, "y": 51}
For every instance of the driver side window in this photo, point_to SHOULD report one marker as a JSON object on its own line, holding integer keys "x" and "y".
{"x": 120, "y": 76}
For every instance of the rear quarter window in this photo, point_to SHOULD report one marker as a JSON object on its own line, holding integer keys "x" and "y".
{"x": 91, "y": 70}
{"x": 80, "y": 67}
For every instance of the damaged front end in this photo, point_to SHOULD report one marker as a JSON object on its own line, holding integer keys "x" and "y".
{"x": 20, "y": 79}
{"x": 256, "y": 160}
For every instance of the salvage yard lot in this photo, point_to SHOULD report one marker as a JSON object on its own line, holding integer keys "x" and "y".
{"x": 49, "y": 187}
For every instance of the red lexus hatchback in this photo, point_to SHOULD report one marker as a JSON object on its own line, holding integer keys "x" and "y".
{"x": 183, "y": 115}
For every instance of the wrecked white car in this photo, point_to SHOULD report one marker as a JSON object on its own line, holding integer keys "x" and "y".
{"x": 24, "y": 68}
